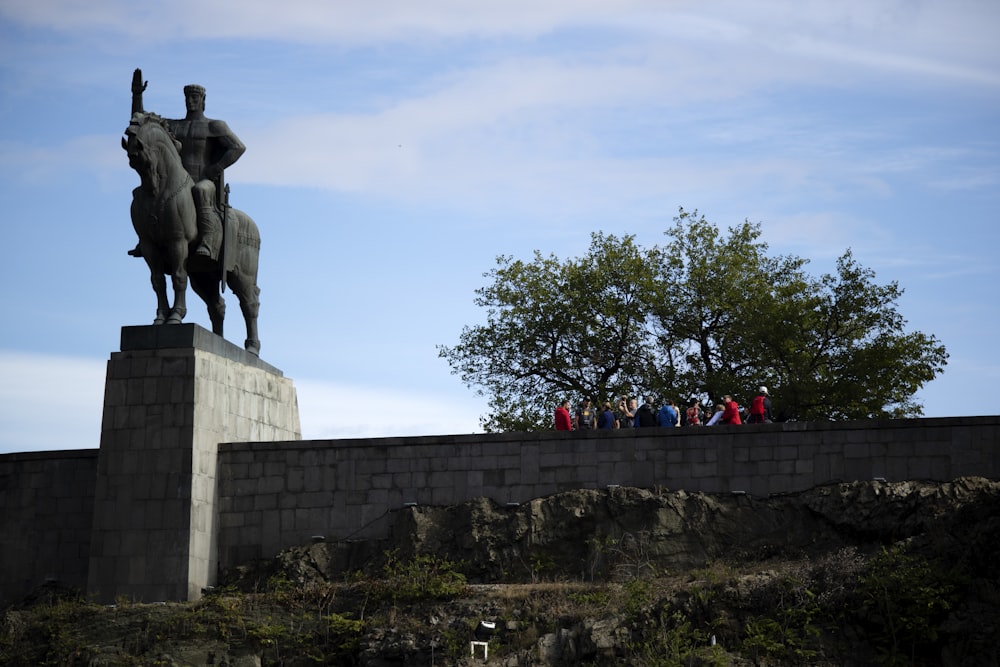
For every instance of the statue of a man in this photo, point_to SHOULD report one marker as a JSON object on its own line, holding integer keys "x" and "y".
{"x": 208, "y": 147}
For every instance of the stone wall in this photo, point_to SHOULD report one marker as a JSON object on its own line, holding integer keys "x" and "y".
{"x": 274, "y": 495}
{"x": 46, "y": 504}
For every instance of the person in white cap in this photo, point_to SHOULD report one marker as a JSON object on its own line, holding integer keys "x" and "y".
{"x": 760, "y": 407}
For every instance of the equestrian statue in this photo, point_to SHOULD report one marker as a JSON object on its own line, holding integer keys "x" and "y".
{"x": 182, "y": 215}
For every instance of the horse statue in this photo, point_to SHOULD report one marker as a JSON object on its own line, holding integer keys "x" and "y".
{"x": 164, "y": 217}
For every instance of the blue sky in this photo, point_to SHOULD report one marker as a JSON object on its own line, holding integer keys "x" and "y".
{"x": 394, "y": 149}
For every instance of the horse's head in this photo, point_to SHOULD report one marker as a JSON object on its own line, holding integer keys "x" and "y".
{"x": 148, "y": 142}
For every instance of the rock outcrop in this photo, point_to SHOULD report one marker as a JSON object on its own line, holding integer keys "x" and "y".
{"x": 587, "y": 535}
{"x": 805, "y": 578}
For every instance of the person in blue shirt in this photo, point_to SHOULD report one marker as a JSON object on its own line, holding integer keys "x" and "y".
{"x": 668, "y": 415}
{"x": 607, "y": 418}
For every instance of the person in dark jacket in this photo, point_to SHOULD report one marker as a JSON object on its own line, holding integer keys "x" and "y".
{"x": 646, "y": 414}
{"x": 586, "y": 416}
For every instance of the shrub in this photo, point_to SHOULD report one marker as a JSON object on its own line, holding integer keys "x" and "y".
{"x": 905, "y": 598}
{"x": 422, "y": 578}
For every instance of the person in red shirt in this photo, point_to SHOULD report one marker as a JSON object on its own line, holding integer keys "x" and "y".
{"x": 731, "y": 411}
{"x": 694, "y": 413}
{"x": 760, "y": 407}
{"x": 563, "y": 422}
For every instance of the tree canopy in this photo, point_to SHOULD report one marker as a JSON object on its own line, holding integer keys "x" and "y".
{"x": 706, "y": 314}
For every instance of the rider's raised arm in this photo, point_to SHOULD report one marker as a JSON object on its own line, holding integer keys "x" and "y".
{"x": 138, "y": 86}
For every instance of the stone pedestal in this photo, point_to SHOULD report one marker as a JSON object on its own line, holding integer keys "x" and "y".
{"x": 172, "y": 394}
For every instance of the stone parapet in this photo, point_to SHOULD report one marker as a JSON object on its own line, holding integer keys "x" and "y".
{"x": 275, "y": 495}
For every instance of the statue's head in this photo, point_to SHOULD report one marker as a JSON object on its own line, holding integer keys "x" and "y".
{"x": 194, "y": 97}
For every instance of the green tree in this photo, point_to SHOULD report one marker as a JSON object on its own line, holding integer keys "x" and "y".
{"x": 729, "y": 317}
{"x": 557, "y": 329}
{"x": 845, "y": 353}
{"x": 710, "y": 312}
{"x": 718, "y": 297}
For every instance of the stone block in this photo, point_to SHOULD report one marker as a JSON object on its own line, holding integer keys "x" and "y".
{"x": 621, "y": 470}
{"x": 553, "y": 460}
{"x": 929, "y": 468}
{"x": 493, "y": 478}
{"x": 265, "y": 501}
{"x": 565, "y": 474}
{"x": 304, "y": 517}
{"x": 644, "y": 476}
{"x": 784, "y": 453}
{"x": 604, "y": 474}
{"x": 315, "y": 499}
{"x": 271, "y": 484}
{"x": 162, "y": 423}
{"x": 857, "y": 450}
{"x": 378, "y": 497}
{"x": 270, "y": 529}
{"x": 441, "y": 496}
{"x": 784, "y": 467}
{"x": 857, "y": 468}
{"x": 699, "y": 470}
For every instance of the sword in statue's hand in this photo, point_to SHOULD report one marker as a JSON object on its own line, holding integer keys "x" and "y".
{"x": 222, "y": 246}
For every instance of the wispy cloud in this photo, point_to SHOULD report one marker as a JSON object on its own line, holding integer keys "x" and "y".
{"x": 52, "y": 402}
{"x": 312, "y": 20}
{"x": 49, "y": 402}
{"x": 936, "y": 39}
{"x": 97, "y": 155}
{"x": 333, "y": 410}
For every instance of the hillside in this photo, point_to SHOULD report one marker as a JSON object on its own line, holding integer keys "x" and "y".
{"x": 855, "y": 573}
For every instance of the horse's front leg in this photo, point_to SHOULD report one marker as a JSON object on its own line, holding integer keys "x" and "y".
{"x": 175, "y": 260}
{"x": 162, "y": 304}
{"x": 180, "y": 283}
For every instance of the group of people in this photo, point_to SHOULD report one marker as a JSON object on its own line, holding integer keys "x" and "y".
{"x": 631, "y": 415}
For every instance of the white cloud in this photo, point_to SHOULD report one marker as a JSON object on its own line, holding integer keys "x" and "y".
{"x": 817, "y": 235}
{"x": 485, "y": 116}
{"x": 49, "y": 402}
{"x": 321, "y": 20}
{"x": 53, "y": 403}
{"x": 954, "y": 39}
{"x": 330, "y": 410}
{"x": 96, "y": 155}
